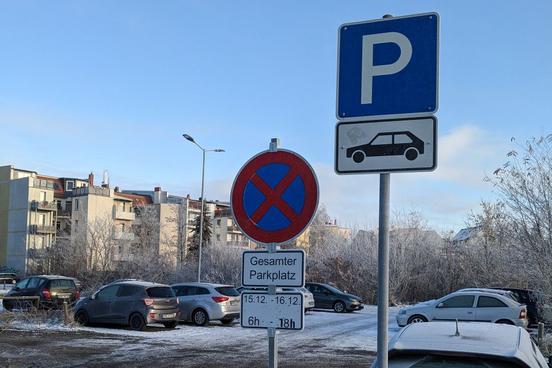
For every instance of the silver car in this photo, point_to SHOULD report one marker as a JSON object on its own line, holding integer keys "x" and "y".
{"x": 203, "y": 302}
{"x": 465, "y": 305}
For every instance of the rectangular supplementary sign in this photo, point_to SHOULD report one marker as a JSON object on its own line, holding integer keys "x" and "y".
{"x": 388, "y": 68}
{"x": 283, "y": 311}
{"x": 397, "y": 145}
{"x": 284, "y": 268}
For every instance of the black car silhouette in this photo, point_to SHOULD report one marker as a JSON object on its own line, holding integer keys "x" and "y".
{"x": 389, "y": 144}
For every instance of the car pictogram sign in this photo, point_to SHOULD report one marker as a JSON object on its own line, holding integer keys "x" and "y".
{"x": 274, "y": 196}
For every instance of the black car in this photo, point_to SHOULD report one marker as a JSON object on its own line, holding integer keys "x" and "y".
{"x": 534, "y": 300}
{"x": 389, "y": 144}
{"x": 51, "y": 289}
{"x": 330, "y": 297}
{"x": 130, "y": 302}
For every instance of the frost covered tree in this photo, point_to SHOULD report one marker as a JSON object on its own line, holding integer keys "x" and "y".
{"x": 207, "y": 231}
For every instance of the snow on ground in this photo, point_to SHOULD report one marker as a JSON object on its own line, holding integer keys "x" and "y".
{"x": 347, "y": 339}
{"x": 323, "y": 329}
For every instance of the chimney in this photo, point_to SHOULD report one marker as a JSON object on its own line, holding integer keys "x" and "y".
{"x": 117, "y": 189}
{"x": 91, "y": 179}
{"x": 157, "y": 189}
{"x": 335, "y": 222}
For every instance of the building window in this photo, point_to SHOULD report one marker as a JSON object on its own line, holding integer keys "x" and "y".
{"x": 42, "y": 197}
{"x": 41, "y": 219}
{"x": 218, "y": 237}
{"x": 218, "y": 222}
{"x": 76, "y": 204}
{"x": 69, "y": 185}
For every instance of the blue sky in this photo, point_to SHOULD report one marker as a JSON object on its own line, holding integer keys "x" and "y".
{"x": 93, "y": 85}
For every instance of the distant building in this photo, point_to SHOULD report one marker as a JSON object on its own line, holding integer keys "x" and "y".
{"x": 467, "y": 234}
{"x": 27, "y": 217}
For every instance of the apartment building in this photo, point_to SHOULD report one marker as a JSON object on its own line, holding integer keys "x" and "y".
{"x": 225, "y": 231}
{"x": 28, "y": 215}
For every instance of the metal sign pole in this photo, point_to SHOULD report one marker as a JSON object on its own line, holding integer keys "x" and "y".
{"x": 272, "y": 333}
{"x": 383, "y": 268}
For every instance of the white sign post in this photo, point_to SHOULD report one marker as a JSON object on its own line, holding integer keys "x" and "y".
{"x": 285, "y": 268}
{"x": 282, "y": 311}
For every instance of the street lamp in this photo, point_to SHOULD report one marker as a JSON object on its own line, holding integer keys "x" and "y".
{"x": 203, "y": 150}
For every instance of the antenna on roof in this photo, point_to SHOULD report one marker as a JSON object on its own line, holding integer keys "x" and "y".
{"x": 457, "y": 333}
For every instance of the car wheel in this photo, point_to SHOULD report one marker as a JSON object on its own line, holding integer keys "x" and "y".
{"x": 358, "y": 157}
{"x": 411, "y": 154}
{"x": 504, "y": 322}
{"x": 171, "y": 324}
{"x": 137, "y": 322}
{"x": 417, "y": 319}
{"x": 200, "y": 318}
{"x": 81, "y": 317}
{"x": 339, "y": 307}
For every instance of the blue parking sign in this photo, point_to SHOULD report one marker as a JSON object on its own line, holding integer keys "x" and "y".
{"x": 388, "y": 68}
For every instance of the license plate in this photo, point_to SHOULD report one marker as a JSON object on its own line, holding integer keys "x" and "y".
{"x": 170, "y": 315}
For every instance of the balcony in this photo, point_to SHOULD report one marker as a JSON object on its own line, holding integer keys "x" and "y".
{"x": 122, "y": 215}
{"x": 233, "y": 229}
{"x": 119, "y": 235}
{"x": 43, "y": 206}
{"x": 42, "y": 229}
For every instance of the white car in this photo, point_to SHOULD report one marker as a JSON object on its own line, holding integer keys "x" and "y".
{"x": 466, "y": 345}
{"x": 467, "y": 305}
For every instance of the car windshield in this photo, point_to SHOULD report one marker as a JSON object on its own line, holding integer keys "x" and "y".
{"x": 333, "y": 289}
{"x": 227, "y": 290}
{"x": 160, "y": 292}
{"x": 448, "y": 362}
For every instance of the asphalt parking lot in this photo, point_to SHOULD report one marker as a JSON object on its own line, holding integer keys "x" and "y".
{"x": 339, "y": 340}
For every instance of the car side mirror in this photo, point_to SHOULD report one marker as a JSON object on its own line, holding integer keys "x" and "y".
{"x": 440, "y": 305}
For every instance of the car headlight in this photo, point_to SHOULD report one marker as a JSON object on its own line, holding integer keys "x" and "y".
{"x": 402, "y": 311}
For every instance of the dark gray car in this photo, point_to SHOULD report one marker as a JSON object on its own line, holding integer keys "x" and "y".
{"x": 330, "y": 297}
{"x": 132, "y": 303}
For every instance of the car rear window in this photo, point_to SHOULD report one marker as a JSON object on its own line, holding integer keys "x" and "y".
{"x": 227, "y": 290}
{"x": 160, "y": 292}
{"x": 62, "y": 284}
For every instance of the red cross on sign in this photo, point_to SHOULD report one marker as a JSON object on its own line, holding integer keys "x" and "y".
{"x": 274, "y": 196}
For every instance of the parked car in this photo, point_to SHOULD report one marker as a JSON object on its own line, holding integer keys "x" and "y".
{"x": 132, "y": 303}
{"x": 7, "y": 280}
{"x": 466, "y": 305}
{"x": 537, "y": 306}
{"x": 51, "y": 289}
{"x": 469, "y": 345}
{"x": 203, "y": 302}
{"x": 330, "y": 297}
{"x": 308, "y": 298}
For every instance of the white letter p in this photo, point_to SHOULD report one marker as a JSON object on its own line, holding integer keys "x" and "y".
{"x": 369, "y": 70}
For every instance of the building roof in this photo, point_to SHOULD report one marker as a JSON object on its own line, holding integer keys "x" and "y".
{"x": 466, "y": 234}
{"x": 137, "y": 199}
